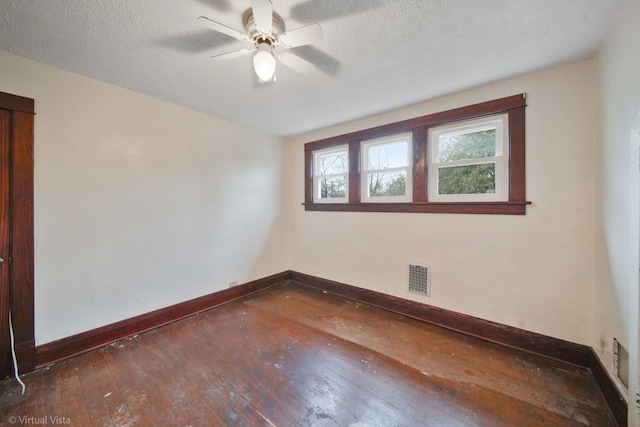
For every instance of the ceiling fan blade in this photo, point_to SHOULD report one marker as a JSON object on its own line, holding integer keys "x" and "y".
{"x": 221, "y": 28}
{"x": 262, "y": 15}
{"x": 301, "y": 36}
{"x": 233, "y": 54}
{"x": 296, "y": 63}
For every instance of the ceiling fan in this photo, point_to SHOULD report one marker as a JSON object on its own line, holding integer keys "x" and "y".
{"x": 265, "y": 30}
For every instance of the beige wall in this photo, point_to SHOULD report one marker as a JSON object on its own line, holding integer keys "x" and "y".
{"x": 618, "y": 192}
{"x": 140, "y": 204}
{"x": 534, "y": 272}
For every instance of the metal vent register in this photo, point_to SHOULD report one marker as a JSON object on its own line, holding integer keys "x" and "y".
{"x": 420, "y": 279}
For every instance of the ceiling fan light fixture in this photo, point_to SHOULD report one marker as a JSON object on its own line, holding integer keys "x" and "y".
{"x": 264, "y": 29}
{"x": 264, "y": 63}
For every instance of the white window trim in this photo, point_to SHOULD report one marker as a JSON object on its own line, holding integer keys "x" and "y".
{"x": 364, "y": 173}
{"x": 501, "y": 159}
{"x": 317, "y": 177}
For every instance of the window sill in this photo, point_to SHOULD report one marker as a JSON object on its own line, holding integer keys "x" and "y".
{"x": 491, "y": 208}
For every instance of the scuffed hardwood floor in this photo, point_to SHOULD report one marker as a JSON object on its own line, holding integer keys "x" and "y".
{"x": 295, "y": 356}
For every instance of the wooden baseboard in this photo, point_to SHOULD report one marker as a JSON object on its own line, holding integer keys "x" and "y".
{"x": 555, "y": 348}
{"x": 25, "y": 354}
{"x": 611, "y": 394}
{"x": 76, "y": 344}
{"x": 565, "y": 351}
{"x": 487, "y": 330}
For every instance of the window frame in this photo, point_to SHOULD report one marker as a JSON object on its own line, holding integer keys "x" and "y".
{"x": 500, "y": 159}
{"x": 364, "y": 171}
{"x": 316, "y": 177}
{"x": 513, "y": 106}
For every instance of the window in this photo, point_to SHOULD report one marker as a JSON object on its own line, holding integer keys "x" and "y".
{"x": 467, "y": 160}
{"x": 386, "y": 169}
{"x": 331, "y": 175}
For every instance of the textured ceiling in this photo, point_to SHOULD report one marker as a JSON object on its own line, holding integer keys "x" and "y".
{"x": 376, "y": 55}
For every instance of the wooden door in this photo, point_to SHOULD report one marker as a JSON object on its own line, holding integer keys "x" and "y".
{"x": 16, "y": 231}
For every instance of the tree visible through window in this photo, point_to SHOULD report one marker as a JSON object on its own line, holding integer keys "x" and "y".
{"x": 332, "y": 168}
{"x": 469, "y": 160}
{"x": 473, "y": 178}
{"x": 386, "y": 168}
{"x": 384, "y": 184}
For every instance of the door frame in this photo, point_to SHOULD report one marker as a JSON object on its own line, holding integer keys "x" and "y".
{"x": 634, "y": 283}
{"x": 21, "y": 233}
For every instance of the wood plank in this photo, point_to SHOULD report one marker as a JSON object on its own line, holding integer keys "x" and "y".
{"x": 16, "y": 231}
{"x": 420, "y": 168}
{"x": 491, "y": 331}
{"x": 354, "y": 174}
{"x": 293, "y": 355}
{"x": 434, "y": 350}
{"x": 562, "y": 350}
{"x": 16, "y": 103}
{"x": 99, "y": 397}
{"x": 95, "y": 338}
{"x": 517, "y": 164}
{"x": 486, "y": 208}
{"x": 22, "y": 239}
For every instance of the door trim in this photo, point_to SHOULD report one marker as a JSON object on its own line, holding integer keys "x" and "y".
{"x": 22, "y": 226}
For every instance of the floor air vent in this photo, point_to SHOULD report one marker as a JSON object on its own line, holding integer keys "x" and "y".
{"x": 420, "y": 279}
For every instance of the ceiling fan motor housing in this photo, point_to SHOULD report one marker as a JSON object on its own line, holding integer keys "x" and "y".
{"x": 256, "y": 36}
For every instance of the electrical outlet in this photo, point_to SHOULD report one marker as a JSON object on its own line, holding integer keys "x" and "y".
{"x": 233, "y": 283}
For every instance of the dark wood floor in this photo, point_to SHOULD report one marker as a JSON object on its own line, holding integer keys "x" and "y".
{"x": 295, "y": 356}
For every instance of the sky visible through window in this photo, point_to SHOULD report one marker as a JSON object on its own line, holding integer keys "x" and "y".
{"x": 388, "y": 155}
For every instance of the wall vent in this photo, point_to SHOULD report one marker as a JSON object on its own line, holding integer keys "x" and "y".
{"x": 420, "y": 279}
{"x": 621, "y": 363}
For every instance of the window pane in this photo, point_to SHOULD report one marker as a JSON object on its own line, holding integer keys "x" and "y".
{"x": 387, "y": 156}
{"x": 333, "y": 187}
{"x": 333, "y": 163}
{"x": 471, "y": 145}
{"x": 387, "y": 184}
{"x": 469, "y": 179}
